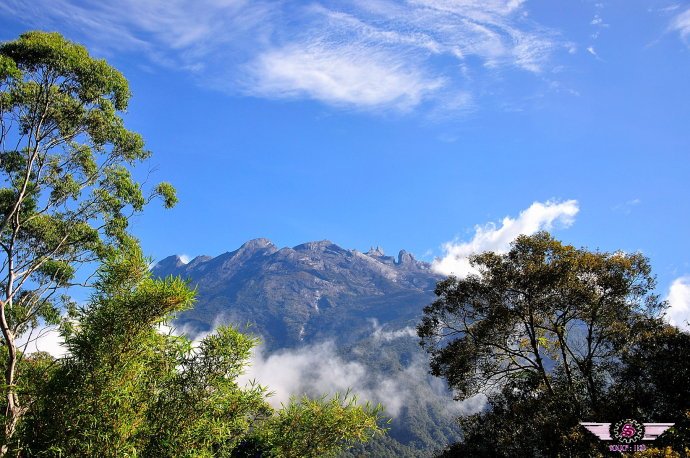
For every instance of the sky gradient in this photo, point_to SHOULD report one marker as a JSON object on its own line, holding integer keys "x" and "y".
{"x": 440, "y": 127}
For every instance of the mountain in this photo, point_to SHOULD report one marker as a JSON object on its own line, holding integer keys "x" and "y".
{"x": 363, "y": 305}
{"x": 303, "y": 294}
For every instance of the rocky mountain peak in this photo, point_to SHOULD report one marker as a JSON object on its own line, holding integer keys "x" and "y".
{"x": 258, "y": 244}
{"x": 173, "y": 261}
{"x": 314, "y": 246}
{"x": 303, "y": 286}
{"x": 378, "y": 251}
{"x": 169, "y": 266}
{"x": 405, "y": 258}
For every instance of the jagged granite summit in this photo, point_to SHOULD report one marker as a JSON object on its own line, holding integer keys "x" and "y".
{"x": 306, "y": 293}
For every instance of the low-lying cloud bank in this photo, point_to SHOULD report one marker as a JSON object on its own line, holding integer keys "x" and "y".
{"x": 490, "y": 237}
{"x": 318, "y": 370}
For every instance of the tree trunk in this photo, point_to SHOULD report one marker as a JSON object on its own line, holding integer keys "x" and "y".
{"x": 13, "y": 411}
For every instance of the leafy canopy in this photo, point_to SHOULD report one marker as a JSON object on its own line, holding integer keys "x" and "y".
{"x": 129, "y": 390}
{"x": 66, "y": 184}
{"x": 553, "y": 335}
{"x": 541, "y": 308}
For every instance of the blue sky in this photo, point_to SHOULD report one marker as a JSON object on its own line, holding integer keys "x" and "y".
{"x": 406, "y": 124}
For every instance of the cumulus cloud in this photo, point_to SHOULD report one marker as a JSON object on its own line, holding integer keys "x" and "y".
{"x": 363, "y": 54}
{"x": 678, "y": 313}
{"x": 317, "y": 370}
{"x": 490, "y": 237}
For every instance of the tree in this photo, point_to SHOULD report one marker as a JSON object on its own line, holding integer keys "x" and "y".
{"x": 129, "y": 390}
{"x": 652, "y": 382}
{"x": 523, "y": 419}
{"x": 66, "y": 191}
{"x": 544, "y": 321}
{"x": 314, "y": 428}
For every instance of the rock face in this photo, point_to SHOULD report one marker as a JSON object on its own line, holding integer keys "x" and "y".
{"x": 312, "y": 291}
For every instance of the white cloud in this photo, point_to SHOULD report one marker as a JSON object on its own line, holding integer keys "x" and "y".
{"x": 678, "y": 313}
{"x": 184, "y": 258}
{"x": 381, "y": 334}
{"x": 43, "y": 338}
{"x": 341, "y": 74}
{"x": 598, "y": 21}
{"x": 362, "y": 53}
{"x": 681, "y": 24}
{"x": 289, "y": 373}
{"x": 539, "y": 216}
{"x": 380, "y": 53}
{"x": 318, "y": 370}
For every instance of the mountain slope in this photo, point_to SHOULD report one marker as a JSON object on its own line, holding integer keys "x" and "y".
{"x": 365, "y": 305}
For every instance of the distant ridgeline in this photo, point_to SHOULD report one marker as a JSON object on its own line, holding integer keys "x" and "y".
{"x": 366, "y": 304}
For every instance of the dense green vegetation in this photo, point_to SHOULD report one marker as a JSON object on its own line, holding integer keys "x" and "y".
{"x": 125, "y": 388}
{"x": 66, "y": 187}
{"x": 555, "y": 335}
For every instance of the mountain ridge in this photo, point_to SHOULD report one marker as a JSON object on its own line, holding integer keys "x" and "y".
{"x": 311, "y": 280}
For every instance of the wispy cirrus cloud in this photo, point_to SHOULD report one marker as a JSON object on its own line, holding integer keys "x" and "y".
{"x": 681, "y": 24}
{"x": 346, "y": 75}
{"x": 490, "y": 237}
{"x": 373, "y": 54}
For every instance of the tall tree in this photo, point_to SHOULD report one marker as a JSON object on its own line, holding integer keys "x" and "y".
{"x": 547, "y": 320}
{"x": 66, "y": 189}
{"x": 129, "y": 390}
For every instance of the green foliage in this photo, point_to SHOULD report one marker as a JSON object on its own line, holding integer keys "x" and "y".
{"x": 66, "y": 189}
{"x": 307, "y": 428}
{"x": 167, "y": 191}
{"x": 128, "y": 390}
{"x": 555, "y": 335}
{"x": 542, "y": 301}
